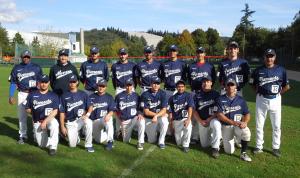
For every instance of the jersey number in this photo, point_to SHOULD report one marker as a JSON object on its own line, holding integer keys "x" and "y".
{"x": 275, "y": 88}
{"x": 48, "y": 111}
{"x": 32, "y": 83}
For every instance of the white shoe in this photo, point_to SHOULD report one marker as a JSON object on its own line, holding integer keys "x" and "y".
{"x": 245, "y": 157}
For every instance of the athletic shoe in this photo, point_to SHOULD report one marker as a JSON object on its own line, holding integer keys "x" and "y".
{"x": 257, "y": 151}
{"x": 215, "y": 153}
{"x": 90, "y": 149}
{"x": 140, "y": 146}
{"x": 276, "y": 152}
{"x": 109, "y": 146}
{"x": 162, "y": 146}
{"x": 22, "y": 140}
{"x": 238, "y": 145}
{"x": 186, "y": 149}
{"x": 52, "y": 152}
{"x": 245, "y": 157}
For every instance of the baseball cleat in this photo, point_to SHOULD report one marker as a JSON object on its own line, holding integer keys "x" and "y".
{"x": 162, "y": 146}
{"x": 109, "y": 146}
{"x": 186, "y": 149}
{"x": 215, "y": 153}
{"x": 245, "y": 157}
{"x": 22, "y": 140}
{"x": 140, "y": 146}
{"x": 90, "y": 149}
{"x": 257, "y": 151}
{"x": 52, "y": 152}
{"x": 276, "y": 152}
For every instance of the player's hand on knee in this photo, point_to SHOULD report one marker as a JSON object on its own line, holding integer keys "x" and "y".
{"x": 44, "y": 125}
{"x": 64, "y": 131}
{"x": 187, "y": 122}
{"x": 154, "y": 119}
{"x": 11, "y": 100}
{"x": 243, "y": 125}
{"x": 140, "y": 117}
{"x": 106, "y": 118}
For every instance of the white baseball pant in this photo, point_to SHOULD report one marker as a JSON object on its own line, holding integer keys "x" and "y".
{"x": 169, "y": 93}
{"x": 182, "y": 133}
{"x": 228, "y": 133}
{"x": 195, "y": 130}
{"x": 211, "y": 135}
{"x": 263, "y": 105}
{"x": 127, "y": 127}
{"x": 22, "y": 114}
{"x": 41, "y": 136}
{"x": 103, "y": 131}
{"x": 73, "y": 129}
{"x": 151, "y": 129}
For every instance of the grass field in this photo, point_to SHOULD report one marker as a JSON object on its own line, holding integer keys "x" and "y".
{"x": 28, "y": 160}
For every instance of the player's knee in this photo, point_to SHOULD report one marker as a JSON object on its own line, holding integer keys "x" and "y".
{"x": 246, "y": 134}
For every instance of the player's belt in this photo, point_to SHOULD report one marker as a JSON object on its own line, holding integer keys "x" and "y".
{"x": 269, "y": 96}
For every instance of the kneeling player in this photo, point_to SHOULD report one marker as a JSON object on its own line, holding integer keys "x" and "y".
{"x": 75, "y": 110}
{"x": 43, "y": 106}
{"x": 232, "y": 111}
{"x": 103, "y": 109}
{"x": 154, "y": 104}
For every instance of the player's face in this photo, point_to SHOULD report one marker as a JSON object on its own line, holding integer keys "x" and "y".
{"x": 123, "y": 57}
{"x": 129, "y": 88}
{"x": 26, "y": 59}
{"x": 148, "y": 56}
{"x": 101, "y": 89}
{"x": 173, "y": 54}
{"x": 230, "y": 88}
{"x": 206, "y": 85}
{"x": 73, "y": 85}
{"x": 233, "y": 51}
{"x": 180, "y": 88}
{"x": 44, "y": 85}
{"x": 200, "y": 55}
{"x": 63, "y": 59}
{"x": 155, "y": 87}
{"x": 94, "y": 56}
{"x": 270, "y": 60}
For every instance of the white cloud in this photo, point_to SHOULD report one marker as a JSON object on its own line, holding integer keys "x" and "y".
{"x": 9, "y": 12}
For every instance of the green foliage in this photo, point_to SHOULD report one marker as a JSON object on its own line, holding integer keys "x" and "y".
{"x": 216, "y": 45}
{"x": 4, "y": 42}
{"x": 164, "y": 44}
{"x": 200, "y": 38}
{"x": 186, "y": 43}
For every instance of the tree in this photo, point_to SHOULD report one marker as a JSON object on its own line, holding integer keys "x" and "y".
{"x": 216, "y": 45}
{"x": 18, "y": 39}
{"x": 186, "y": 43}
{"x": 4, "y": 41}
{"x": 36, "y": 46}
{"x": 164, "y": 44}
{"x": 246, "y": 23}
{"x": 200, "y": 38}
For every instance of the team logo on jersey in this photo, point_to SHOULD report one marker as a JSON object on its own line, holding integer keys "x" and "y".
{"x": 25, "y": 75}
{"x": 90, "y": 73}
{"x": 178, "y": 107}
{"x": 99, "y": 105}
{"x": 232, "y": 70}
{"x": 61, "y": 74}
{"x": 171, "y": 72}
{"x": 153, "y": 104}
{"x": 203, "y": 104}
{"x": 227, "y": 109}
{"x": 195, "y": 75}
{"x": 148, "y": 72}
{"x": 123, "y": 74}
{"x": 38, "y": 104}
{"x": 71, "y": 106}
{"x": 263, "y": 81}
{"x": 124, "y": 105}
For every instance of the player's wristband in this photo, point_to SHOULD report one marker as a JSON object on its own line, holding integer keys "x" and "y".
{"x": 12, "y": 88}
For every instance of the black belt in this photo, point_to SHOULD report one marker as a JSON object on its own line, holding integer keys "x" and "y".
{"x": 170, "y": 89}
{"x": 268, "y": 96}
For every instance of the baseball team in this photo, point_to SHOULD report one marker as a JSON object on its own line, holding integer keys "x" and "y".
{"x": 214, "y": 119}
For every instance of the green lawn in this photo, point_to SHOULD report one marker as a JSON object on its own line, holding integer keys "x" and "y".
{"x": 30, "y": 161}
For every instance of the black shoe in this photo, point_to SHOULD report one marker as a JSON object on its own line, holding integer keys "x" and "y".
{"x": 186, "y": 149}
{"x": 52, "y": 152}
{"x": 257, "y": 151}
{"x": 109, "y": 146}
{"x": 276, "y": 152}
{"x": 22, "y": 140}
{"x": 215, "y": 153}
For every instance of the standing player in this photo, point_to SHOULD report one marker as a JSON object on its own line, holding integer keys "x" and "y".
{"x": 154, "y": 104}
{"x": 232, "y": 111}
{"x": 93, "y": 70}
{"x": 103, "y": 110}
{"x": 270, "y": 82}
{"x": 181, "y": 108}
{"x": 61, "y": 72}
{"x": 128, "y": 112}
{"x": 122, "y": 71}
{"x": 209, "y": 125}
{"x": 172, "y": 71}
{"x": 23, "y": 77}
{"x": 147, "y": 69}
{"x": 43, "y": 106}
{"x": 75, "y": 109}
{"x": 235, "y": 68}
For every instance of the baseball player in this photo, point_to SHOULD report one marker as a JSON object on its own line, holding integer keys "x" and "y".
{"x": 147, "y": 69}
{"x": 43, "y": 105}
{"x": 209, "y": 126}
{"x": 154, "y": 104}
{"x": 128, "y": 112}
{"x": 270, "y": 82}
{"x": 92, "y": 70}
{"x": 196, "y": 72}
{"x": 61, "y": 72}
{"x": 181, "y": 107}
{"x": 23, "y": 78}
{"x": 103, "y": 109}
{"x": 122, "y": 71}
{"x": 232, "y": 111}
{"x": 234, "y": 67}
{"x": 75, "y": 110}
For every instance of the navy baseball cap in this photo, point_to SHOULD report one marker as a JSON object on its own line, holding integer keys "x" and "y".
{"x": 173, "y": 48}
{"x": 270, "y": 52}
{"x": 155, "y": 80}
{"x": 129, "y": 82}
{"x": 73, "y": 78}
{"x": 230, "y": 80}
{"x": 102, "y": 82}
{"x": 44, "y": 78}
{"x": 26, "y": 53}
{"x": 64, "y": 52}
{"x": 206, "y": 78}
{"x": 233, "y": 44}
{"x": 148, "y": 49}
{"x": 180, "y": 82}
{"x": 94, "y": 50}
{"x": 122, "y": 51}
{"x": 200, "y": 49}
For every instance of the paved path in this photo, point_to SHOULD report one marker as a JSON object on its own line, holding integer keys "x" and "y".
{"x": 293, "y": 75}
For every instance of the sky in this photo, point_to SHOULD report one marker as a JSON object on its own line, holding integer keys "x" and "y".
{"x": 141, "y": 15}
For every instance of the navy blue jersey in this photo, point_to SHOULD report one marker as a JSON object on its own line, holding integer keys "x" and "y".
{"x": 233, "y": 108}
{"x": 269, "y": 81}
{"x": 205, "y": 103}
{"x": 196, "y": 72}
{"x": 102, "y": 105}
{"x": 154, "y": 101}
{"x": 238, "y": 69}
{"x": 179, "y": 104}
{"x": 41, "y": 105}
{"x": 121, "y": 73}
{"x": 25, "y": 76}
{"x": 91, "y": 73}
{"x": 172, "y": 72}
{"x": 146, "y": 71}
{"x": 74, "y": 105}
{"x": 127, "y": 105}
